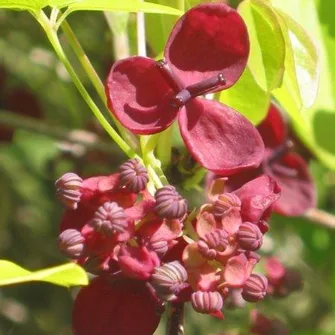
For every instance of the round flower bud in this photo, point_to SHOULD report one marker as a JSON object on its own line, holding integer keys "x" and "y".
{"x": 71, "y": 243}
{"x": 160, "y": 247}
{"x": 68, "y": 190}
{"x": 249, "y": 236}
{"x": 169, "y": 279}
{"x": 206, "y": 302}
{"x": 213, "y": 242}
{"x": 133, "y": 175}
{"x": 169, "y": 203}
{"x": 109, "y": 218}
{"x": 255, "y": 288}
{"x": 225, "y": 203}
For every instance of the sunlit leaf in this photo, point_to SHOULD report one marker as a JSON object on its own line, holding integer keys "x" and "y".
{"x": 267, "y": 44}
{"x": 123, "y": 6}
{"x": 64, "y": 275}
{"x": 247, "y": 98}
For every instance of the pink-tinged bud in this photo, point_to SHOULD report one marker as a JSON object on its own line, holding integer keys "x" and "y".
{"x": 255, "y": 288}
{"x": 206, "y": 302}
{"x": 169, "y": 279}
{"x": 109, "y": 218}
{"x": 225, "y": 203}
{"x": 71, "y": 243}
{"x": 169, "y": 203}
{"x": 160, "y": 247}
{"x": 68, "y": 190}
{"x": 213, "y": 242}
{"x": 133, "y": 175}
{"x": 249, "y": 236}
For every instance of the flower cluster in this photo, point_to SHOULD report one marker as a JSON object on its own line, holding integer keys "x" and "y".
{"x": 138, "y": 248}
{"x": 206, "y": 52}
{"x": 117, "y": 231}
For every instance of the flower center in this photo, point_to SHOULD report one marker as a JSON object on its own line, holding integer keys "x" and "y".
{"x": 184, "y": 94}
{"x": 280, "y": 151}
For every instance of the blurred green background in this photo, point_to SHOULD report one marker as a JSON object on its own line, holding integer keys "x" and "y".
{"x": 46, "y": 129}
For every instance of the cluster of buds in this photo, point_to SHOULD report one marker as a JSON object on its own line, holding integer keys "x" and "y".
{"x": 136, "y": 244}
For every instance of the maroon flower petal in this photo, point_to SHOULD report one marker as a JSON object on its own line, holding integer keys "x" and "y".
{"x": 257, "y": 196}
{"x": 139, "y": 96}
{"x": 122, "y": 308}
{"x": 273, "y": 128}
{"x": 298, "y": 190}
{"x": 219, "y": 138}
{"x": 208, "y": 40}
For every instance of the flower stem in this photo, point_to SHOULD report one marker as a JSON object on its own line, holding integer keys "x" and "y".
{"x": 95, "y": 79}
{"x": 53, "y": 38}
{"x": 321, "y": 217}
{"x": 175, "y": 314}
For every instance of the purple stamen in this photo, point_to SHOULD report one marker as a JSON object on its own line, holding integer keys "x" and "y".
{"x": 171, "y": 78}
{"x": 207, "y": 85}
{"x": 280, "y": 151}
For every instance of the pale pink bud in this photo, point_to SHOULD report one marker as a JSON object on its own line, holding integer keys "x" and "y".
{"x": 71, "y": 243}
{"x": 206, "y": 302}
{"x": 249, "y": 236}
{"x": 225, "y": 203}
{"x": 213, "y": 242}
{"x": 169, "y": 203}
{"x": 255, "y": 288}
{"x": 68, "y": 190}
{"x": 109, "y": 218}
{"x": 133, "y": 175}
{"x": 169, "y": 279}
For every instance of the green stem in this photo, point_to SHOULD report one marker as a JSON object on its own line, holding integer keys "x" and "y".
{"x": 95, "y": 79}
{"x": 53, "y": 38}
{"x": 164, "y": 147}
{"x": 181, "y": 5}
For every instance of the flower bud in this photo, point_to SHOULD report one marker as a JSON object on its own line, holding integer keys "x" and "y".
{"x": 169, "y": 279}
{"x": 169, "y": 203}
{"x": 225, "y": 203}
{"x": 160, "y": 247}
{"x": 71, "y": 243}
{"x": 249, "y": 236}
{"x": 133, "y": 175}
{"x": 213, "y": 242}
{"x": 206, "y": 302}
{"x": 68, "y": 190}
{"x": 255, "y": 288}
{"x": 109, "y": 218}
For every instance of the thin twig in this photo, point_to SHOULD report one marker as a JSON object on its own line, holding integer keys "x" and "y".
{"x": 175, "y": 320}
{"x": 321, "y": 217}
{"x": 141, "y": 44}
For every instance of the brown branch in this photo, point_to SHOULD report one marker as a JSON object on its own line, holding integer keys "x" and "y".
{"x": 175, "y": 319}
{"x": 321, "y": 217}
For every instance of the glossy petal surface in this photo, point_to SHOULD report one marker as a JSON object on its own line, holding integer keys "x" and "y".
{"x": 208, "y": 40}
{"x": 139, "y": 96}
{"x": 121, "y": 308}
{"x": 219, "y": 138}
{"x": 298, "y": 190}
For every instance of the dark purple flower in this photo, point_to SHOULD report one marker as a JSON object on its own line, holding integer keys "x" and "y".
{"x": 286, "y": 167}
{"x": 206, "y": 52}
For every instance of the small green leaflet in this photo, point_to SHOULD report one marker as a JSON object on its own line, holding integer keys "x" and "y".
{"x": 98, "y": 5}
{"x": 267, "y": 44}
{"x": 66, "y": 275}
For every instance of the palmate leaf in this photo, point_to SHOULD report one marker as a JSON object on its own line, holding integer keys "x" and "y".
{"x": 66, "y": 275}
{"x": 97, "y": 5}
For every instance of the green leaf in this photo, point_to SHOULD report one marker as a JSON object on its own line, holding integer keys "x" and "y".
{"x": 267, "y": 44}
{"x": 122, "y": 6}
{"x": 301, "y": 62}
{"x": 66, "y": 275}
{"x": 247, "y": 98}
{"x": 23, "y": 4}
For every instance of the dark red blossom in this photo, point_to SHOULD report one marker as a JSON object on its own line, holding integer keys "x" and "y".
{"x": 286, "y": 167}
{"x": 206, "y": 52}
{"x": 122, "y": 307}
